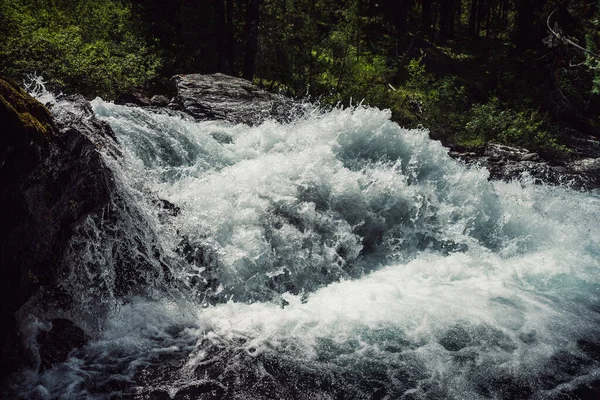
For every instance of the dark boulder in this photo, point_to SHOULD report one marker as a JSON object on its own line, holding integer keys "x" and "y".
{"x": 25, "y": 143}
{"x": 224, "y": 97}
{"x": 72, "y": 240}
{"x": 134, "y": 98}
{"x": 160, "y": 100}
{"x": 508, "y": 163}
{"x": 456, "y": 338}
{"x": 56, "y": 343}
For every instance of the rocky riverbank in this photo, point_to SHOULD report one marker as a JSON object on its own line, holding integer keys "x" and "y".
{"x": 581, "y": 170}
{"x": 224, "y": 97}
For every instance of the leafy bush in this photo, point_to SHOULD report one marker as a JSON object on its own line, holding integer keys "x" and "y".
{"x": 527, "y": 128}
{"x": 440, "y": 103}
{"x": 94, "y": 48}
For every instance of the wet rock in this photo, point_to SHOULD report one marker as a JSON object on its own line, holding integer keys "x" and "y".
{"x": 38, "y": 393}
{"x": 455, "y": 339}
{"x": 169, "y": 207}
{"x": 174, "y": 104}
{"x": 579, "y": 389}
{"x": 158, "y": 394}
{"x": 222, "y": 137}
{"x": 505, "y": 386}
{"x": 529, "y": 337}
{"x": 59, "y": 341}
{"x": 462, "y": 155}
{"x": 201, "y": 390}
{"x": 25, "y": 142}
{"x": 508, "y": 163}
{"x": 589, "y": 348}
{"x": 159, "y": 100}
{"x": 62, "y": 220}
{"x": 585, "y": 166}
{"x": 224, "y": 97}
{"x": 585, "y": 147}
{"x": 231, "y": 371}
{"x": 413, "y": 394}
{"x": 203, "y": 258}
{"x": 495, "y": 151}
{"x": 135, "y": 98}
{"x": 559, "y": 169}
{"x": 530, "y": 157}
{"x": 562, "y": 367}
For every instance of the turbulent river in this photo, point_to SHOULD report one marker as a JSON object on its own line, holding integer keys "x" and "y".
{"x": 340, "y": 256}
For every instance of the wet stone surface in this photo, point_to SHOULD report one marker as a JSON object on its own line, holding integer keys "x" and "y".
{"x": 509, "y": 163}
{"x": 223, "y": 97}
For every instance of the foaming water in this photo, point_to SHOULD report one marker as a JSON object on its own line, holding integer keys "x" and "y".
{"x": 341, "y": 256}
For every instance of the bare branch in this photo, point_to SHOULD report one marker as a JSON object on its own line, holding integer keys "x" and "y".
{"x": 576, "y": 65}
{"x": 566, "y": 40}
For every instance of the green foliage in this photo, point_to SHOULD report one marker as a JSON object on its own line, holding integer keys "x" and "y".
{"x": 321, "y": 48}
{"x": 437, "y": 102}
{"x": 587, "y": 13}
{"x": 95, "y": 48}
{"x": 433, "y": 66}
{"x": 592, "y": 40}
{"x": 375, "y": 51}
{"x": 491, "y": 122}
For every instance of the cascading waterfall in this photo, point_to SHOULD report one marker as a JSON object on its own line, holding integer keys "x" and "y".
{"x": 341, "y": 256}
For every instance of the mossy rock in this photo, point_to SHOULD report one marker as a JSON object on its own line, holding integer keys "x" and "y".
{"x": 24, "y": 119}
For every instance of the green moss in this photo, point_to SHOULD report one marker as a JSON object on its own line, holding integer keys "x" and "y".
{"x": 26, "y": 118}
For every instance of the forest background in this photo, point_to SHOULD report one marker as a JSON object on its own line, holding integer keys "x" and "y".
{"x": 518, "y": 72}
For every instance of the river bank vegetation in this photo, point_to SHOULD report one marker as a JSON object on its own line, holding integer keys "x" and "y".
{"x": 518, "y": 72}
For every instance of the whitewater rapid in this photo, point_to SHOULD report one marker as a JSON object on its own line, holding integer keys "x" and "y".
{"x": 342, "y": 256}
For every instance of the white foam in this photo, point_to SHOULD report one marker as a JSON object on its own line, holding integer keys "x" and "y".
{"x": 375, "y": 228}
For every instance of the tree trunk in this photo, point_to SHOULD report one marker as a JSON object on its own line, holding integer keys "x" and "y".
{"x": 473, "y": 18}
{"x": 358, "y": 27}
{"x": 480, "y": 16}
{"x": 488, "y": 21}
{"x": 310, "y": 48}
{"x": 252, "y": 9}
{"x": 229, "y": 42}
{"x": 525, "y": 27}
{"x": 426, "y": 18}
{"x": 220, "y": 34}
{"x": 400, "y": 15}
{"x": 447, "y": 17}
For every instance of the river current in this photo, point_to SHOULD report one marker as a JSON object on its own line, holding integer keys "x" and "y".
{"x": 340, "y": 256}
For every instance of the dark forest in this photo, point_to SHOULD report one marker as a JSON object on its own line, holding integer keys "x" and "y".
{"x": 511, "y": 71}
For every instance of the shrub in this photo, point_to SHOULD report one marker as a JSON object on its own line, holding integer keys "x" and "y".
{"x": 492, "y": 122}
{"x": 94, "y": 48}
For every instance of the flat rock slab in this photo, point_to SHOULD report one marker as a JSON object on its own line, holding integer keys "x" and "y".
{"x": 508, "y": 163}
{"x": 223, "y": 97}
